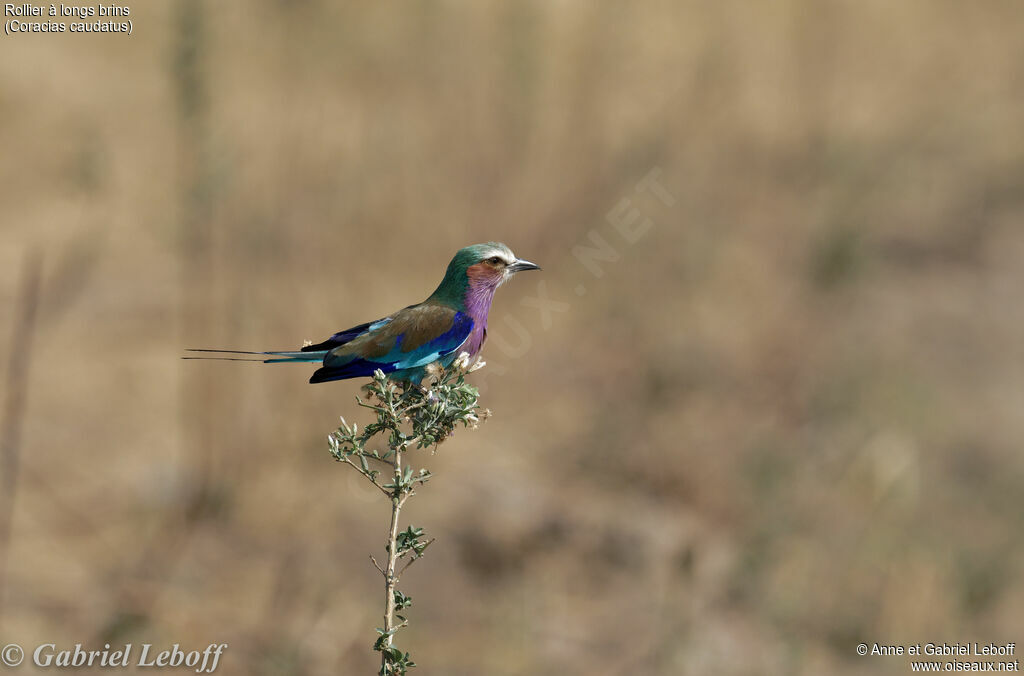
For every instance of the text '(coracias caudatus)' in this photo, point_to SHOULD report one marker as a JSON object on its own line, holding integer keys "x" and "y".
{"x": 451, "y": 321}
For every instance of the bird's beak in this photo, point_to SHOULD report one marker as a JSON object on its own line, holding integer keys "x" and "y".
{"x": 521, "y": 265}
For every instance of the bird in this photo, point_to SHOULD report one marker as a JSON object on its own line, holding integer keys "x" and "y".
{"x": 451, "y": 321}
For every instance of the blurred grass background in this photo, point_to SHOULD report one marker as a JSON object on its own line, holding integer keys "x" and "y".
{"x": 786, "y": 420}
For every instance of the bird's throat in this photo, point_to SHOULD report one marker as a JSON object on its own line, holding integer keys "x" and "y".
{"x": 478, "y": 305}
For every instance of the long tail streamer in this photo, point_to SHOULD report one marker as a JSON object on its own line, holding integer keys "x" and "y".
{"x": 278, "y": 357}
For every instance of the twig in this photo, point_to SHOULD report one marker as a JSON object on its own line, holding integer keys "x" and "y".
{"x": 390, "y": 580}
{"x": 14, "y": 410}
{"x": 379, "y": 458}
{"x": 415, "y": 558}
{"x": 345, "y": 459}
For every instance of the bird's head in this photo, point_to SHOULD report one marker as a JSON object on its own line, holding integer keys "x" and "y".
{"x": 490, "y": 264}
{"x": 482, "y": 267}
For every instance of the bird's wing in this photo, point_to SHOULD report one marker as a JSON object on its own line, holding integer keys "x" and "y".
{"x": 348, "y": 335}
{"x": 414, "y": 337}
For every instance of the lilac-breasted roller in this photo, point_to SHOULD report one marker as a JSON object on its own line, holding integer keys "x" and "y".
{"x": 451, "y": 321}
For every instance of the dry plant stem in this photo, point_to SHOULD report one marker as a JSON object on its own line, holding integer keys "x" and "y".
{"x": 14, "y": 411}
{"x": 409, "y": 417}
{"x": 397, "y": 500}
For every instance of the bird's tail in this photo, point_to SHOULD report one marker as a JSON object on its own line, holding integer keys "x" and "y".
{"x": 273, "y": 357}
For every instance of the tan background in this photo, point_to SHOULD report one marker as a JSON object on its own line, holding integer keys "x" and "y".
{"x": 786, "y": 420}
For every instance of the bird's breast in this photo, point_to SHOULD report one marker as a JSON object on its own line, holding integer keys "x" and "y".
{"x": 476, "y": 339}
{"x": 478, "y": 306}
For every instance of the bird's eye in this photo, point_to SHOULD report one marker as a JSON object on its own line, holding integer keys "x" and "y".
{"x": 494, "y": 260}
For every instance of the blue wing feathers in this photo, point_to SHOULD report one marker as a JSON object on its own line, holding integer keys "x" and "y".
{"x": 342, "y": 366}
